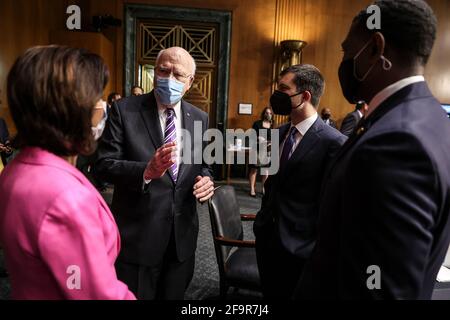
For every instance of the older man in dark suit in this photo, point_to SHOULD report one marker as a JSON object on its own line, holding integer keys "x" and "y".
{"x": 156, "y": 188}
{"x": 384, "y": 225}
{"x": 285, "y": 225}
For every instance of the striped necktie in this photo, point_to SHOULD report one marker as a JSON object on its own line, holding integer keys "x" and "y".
{"x": 287, "y": 148}
{"x": 170, "y": 135}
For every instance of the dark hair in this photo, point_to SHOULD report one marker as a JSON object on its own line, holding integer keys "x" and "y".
{"x": 52, "y": 91}
{"x": 407, "y": 25}
{"x": 137, "y": 87}
{"x": 111, "y": 96}
{"x": 307, "y": 78}
{"x": 264, "y": 111}
{"x": 360, "y": 104}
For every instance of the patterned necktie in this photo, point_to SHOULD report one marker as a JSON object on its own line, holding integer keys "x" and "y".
{"x": 170, "y": 135}
{"x": 288, "y": 144}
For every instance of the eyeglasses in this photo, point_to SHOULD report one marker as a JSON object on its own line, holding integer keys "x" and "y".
{"x": 166, "y": 72}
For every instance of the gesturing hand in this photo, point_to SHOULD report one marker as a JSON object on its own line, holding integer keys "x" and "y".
{"x": 161, "y": 161}
{"x": 203, "y": 188}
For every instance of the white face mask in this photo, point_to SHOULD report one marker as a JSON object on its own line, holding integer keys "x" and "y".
{"x": 97, "y": 131}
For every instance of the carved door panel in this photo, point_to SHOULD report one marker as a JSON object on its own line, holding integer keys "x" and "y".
{"x": 199, "y": 39}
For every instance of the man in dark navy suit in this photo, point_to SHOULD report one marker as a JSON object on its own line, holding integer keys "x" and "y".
{"x": 384, "y": 225}
{"x": 285, "y": 225}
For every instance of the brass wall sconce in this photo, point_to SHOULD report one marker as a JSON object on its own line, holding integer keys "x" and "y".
{"x": 290, "y": 53}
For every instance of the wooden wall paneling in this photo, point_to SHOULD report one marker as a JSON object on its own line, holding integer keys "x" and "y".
{"x": 257, "y": 28}
{"x": 251, "y": 51}
{"x": 437, "y": 72}
{"x": 93, "y": 41}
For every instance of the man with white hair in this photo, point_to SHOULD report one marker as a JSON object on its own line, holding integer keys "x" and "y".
{"x": 155, "y": 193}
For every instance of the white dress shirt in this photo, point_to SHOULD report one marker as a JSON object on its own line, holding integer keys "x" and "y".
{"x": 381, "y": 96}
{"x": 302, "y": 128}
{"x": 360, "y": 114}
{"x": 162, "y": 120}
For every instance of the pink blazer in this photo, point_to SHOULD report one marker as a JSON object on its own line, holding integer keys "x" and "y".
{"x": 58, "y": 234}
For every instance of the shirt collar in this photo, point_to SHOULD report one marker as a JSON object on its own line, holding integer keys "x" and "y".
{"x": 381, "y": 96}
{"x": 304, "y": 125}
{"x": 176, "y": 108}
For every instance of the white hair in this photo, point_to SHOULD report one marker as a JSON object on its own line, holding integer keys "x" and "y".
{"x": 194, "y": 65}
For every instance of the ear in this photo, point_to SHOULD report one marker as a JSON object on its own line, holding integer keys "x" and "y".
{"x": 307, "y": 96}
{"x": 189, "y": 85}
{"x": 378, "y": 46}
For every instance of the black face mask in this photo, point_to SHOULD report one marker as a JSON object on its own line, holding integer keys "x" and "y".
{"x": 350, "y": 81}
{"x": 349, "y": 84}
{"x": 281, "y": 103}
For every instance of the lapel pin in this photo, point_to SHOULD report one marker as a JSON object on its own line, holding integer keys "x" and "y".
{"x": 360, "y": 130}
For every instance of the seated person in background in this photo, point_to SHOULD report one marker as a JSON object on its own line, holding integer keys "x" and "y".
{"x": 137, "y": 91}
{"x": 59, "y": 236}
{"x": 326, "y": 117}
{"x": 263, "y": 124}
{"x": 351, "y": 119}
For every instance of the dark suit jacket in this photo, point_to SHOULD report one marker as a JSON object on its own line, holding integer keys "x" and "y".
{"x": 349, "y": 123}
{"x": 386, "y": 202}
{"x": 145, "y": 216}
{"x": 332, "y": 123}
{"x": 293, "y": 193}
{"x": 4, "y": 137}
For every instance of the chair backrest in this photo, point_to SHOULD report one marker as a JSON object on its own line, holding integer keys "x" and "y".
{"x": 225, "y": 219}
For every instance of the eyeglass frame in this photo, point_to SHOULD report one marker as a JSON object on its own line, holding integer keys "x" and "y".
{"x": 176, "y": 76}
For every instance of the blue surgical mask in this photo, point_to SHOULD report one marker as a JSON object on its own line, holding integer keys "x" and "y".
{"x": 169, "y": 91}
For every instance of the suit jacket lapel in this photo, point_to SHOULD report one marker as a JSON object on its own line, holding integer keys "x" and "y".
{"x": 306, "y": 143}
{"x": 283, "y": 132}
{"x": 149, "y": 113}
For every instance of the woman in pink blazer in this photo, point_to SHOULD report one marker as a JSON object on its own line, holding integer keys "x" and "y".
{"x": 59, "y": 236}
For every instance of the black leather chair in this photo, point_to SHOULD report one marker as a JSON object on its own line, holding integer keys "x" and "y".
{"x": 236, "y": 257}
